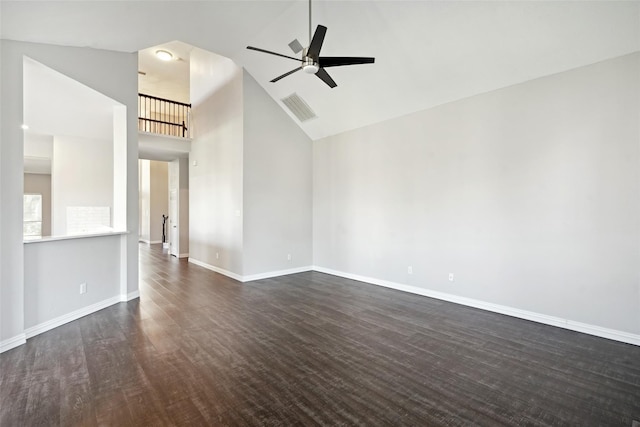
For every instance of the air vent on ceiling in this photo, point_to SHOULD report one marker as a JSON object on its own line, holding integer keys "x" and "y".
{"x": 295, "y": 46}
{"x": 298, "y": 107}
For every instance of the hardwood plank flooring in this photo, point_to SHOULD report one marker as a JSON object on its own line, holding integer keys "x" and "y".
{"x": 308, "y": 349}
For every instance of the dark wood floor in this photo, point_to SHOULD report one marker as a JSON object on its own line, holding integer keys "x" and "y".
{"x": 309, "y": 349}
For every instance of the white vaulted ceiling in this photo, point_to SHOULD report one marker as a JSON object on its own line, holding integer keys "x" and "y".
{"x": 427, "y": 52}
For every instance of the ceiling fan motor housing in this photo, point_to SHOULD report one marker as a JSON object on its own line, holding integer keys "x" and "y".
{"x": 309, "y": 65}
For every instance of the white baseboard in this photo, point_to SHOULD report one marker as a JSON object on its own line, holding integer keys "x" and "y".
{"x": 598, "y": 331}
{"x": 250, "y": 277}
{"x": 216, "y": 269}
{"x": 130, "y": 296}
{"x": 14, "y": 342}
{"x": 149, "y": 242}
{"x": 61, "y": 320}
{"x": 270, "y": 274}
{"x": 70, "y": 317}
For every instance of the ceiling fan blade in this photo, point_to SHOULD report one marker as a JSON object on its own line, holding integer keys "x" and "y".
{"x": 272, "y": 53}
{"x": 286, "y": 74}
{"x": 325, "y": 77}
{"x": 316, "y": 42}
{"x": 337, "y": 61}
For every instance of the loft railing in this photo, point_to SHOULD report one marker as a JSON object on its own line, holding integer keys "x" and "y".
{"x": 163, "y": 116}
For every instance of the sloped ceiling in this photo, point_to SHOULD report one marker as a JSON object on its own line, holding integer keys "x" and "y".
{"x": 86, "y": 113}
{"x": 427, "y": 52}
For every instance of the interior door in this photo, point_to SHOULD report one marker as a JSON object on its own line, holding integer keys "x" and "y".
{"x": 174, "y": 231}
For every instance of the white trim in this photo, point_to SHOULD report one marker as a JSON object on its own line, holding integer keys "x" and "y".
{"x": 216, "y": 269}
{"x": 572, "y": 325}
{"x": 65, "y": 318}
{"x": 599, "y": 331}
{"x": 70, "y": 317}
{"x": 278, "y": 273}
{"x": 183, "y": 255}
{"x": 14, "y": 342}
{"x": 250, "y": 277}
{"x": 163, "y": 136}
{"x": 75, "y": 236}
{"x": 124, "y": 263}
{"x": 149, "y": 242}
{"x": 131, "y": 295}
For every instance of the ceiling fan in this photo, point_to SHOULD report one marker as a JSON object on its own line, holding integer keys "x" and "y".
{"x": 311, "y": 61}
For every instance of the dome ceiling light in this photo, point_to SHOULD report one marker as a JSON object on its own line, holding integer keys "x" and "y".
{"x": 164, "y": 55}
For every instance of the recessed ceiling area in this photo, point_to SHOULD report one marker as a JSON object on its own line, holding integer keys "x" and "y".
{"x": 165, "y": 79}
{"x": 427, "y": 52}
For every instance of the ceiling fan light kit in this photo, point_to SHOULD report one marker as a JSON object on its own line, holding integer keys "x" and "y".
{"x": 311, "y": 61}
{"x": 310, "y": 66}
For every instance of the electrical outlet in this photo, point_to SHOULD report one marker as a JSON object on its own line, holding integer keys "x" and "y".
{"x": 288, "y": 257}
{"x": 410, "y": 270}
{"x": 83, "y": 288}
{"x": 217, "y": 255}
{"x": 451, "y": 277}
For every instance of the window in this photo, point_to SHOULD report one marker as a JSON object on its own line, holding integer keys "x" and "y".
{"x": 32, "y": 208}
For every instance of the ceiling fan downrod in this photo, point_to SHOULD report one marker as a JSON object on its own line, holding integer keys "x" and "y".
{"x": 309, "y": 23}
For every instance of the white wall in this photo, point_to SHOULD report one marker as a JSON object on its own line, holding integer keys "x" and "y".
{"x": 179, "y": 182}
{"x": 11, "y": 185}
{"x": 16, "y": 338}
{"x": 215, "y": 183}
{"x": 250, "y": 176}
{"x": 528, "y": 194}
{"x": 144, "y": 197}
{"x": 52, "y": 290}
{"x": 111, "y": 73}
{"x": 38, "y": 183}
{"x": 277, "y": 186}
{"x": 81, "y": 176}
